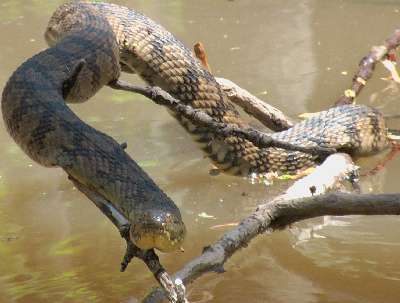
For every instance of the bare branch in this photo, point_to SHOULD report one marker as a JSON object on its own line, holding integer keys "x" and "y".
{"x": 201, "y": 118}
{"x": 149, "y": 257}
{"x": 268, "y": 115}
{"x": 367, "y": 66}
{"x": 288, "y": 208}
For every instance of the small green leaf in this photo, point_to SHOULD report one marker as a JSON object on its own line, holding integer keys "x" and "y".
{"x": 148, "y": 163}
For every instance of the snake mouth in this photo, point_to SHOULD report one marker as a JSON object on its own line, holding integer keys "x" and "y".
{"x": 163, "y": 231}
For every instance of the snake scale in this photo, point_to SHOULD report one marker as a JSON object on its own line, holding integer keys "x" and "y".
{"x": 90, "y": 43}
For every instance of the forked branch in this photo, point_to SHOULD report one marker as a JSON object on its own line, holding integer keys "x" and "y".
{"x": 298, "y": 203}
{"x": 366, "y": 67}
{"x": 224, "y": 130}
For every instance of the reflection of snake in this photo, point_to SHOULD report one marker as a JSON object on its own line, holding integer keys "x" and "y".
{"x": 86, "y": 57}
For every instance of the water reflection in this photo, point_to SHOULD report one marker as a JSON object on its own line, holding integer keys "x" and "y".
{"x": 61, "y": 249}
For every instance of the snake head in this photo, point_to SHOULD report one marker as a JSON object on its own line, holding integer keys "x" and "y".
{"x": 162, "y": 230}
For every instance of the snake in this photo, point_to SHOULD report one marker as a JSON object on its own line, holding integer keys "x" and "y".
{"x": 90, "y": 43}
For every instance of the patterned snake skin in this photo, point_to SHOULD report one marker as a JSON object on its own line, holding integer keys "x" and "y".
{"x": 107, "y": 36}
{"x": 149, "y": 50}
{"x": 36, "y": 116}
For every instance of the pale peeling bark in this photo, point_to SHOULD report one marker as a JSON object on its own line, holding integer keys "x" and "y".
{"x": 268, "y": 115}
{"x": 296, "y": 204}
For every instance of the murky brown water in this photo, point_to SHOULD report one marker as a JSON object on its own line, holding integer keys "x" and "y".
{"x": 55, "y": 246}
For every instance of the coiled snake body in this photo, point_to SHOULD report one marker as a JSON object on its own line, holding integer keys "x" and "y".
{"x": 89, "y": 43}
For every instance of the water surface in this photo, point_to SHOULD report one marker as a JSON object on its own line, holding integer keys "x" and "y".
{"x": 55, "y": 246}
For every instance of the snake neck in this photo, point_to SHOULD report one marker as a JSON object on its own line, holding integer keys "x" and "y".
{"x": 34, "y": 110}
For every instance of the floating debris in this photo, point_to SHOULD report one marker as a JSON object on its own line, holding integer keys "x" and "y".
{"x": 205, "y": 215}
{"x": 8, "y": 238}
{"x": 266, "y": 179}
{"x": 233, "y": 224}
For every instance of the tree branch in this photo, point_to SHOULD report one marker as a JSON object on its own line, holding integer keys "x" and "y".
{"x": 149, "y": 257}
{"x": 201, "y": 118}
{"x": 293, "y": 206}
{"x": 367, "y": 66}
{"x": 268, "y": 115}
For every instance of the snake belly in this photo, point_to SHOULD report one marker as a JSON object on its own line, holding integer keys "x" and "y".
{"x": 82, "y": 59}
{"x": 149, "y": 50}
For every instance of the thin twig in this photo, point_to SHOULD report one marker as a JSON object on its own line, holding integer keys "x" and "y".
{"x": 201, "y": 118}
{"x": 394, "y": 152}
{"x": 367, "y": 66}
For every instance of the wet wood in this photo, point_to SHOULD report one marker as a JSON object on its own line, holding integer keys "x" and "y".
{"x": 301, "y": 201}
{"x": 367, "y": 66}
{"x": 149, "y": 257}
{"x": 200, "y": 118}
{"x": 306, "y": 198}
{"x": 268, "y": 115}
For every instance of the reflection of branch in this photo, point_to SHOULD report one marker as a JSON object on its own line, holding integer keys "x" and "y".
{"x": 288, "y": 208}
{"x": 201, "y": 118}
{"x": 149, "y": 257}
{"x": 367, "y": 66}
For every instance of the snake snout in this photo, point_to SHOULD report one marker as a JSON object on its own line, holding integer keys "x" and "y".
{"x": 162, "y": 230}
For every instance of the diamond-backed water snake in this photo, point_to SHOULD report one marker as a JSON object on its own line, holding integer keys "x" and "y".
{"x": 36, "y": 116}
{"x": 90, "y": 41}
{"x": 149, "y": 50}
